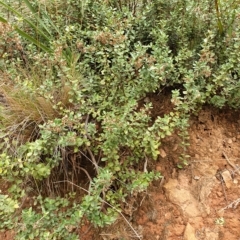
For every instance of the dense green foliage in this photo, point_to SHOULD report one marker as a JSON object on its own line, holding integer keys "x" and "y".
{"x": 73, "y": 74}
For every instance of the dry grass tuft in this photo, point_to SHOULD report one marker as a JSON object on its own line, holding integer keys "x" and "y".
{"x": 21, "y": 112}
{"x": 20, "y": 105}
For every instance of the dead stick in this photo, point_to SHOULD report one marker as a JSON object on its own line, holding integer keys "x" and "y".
{"x": 223, "y": 188}
{"x": 231, "y": 204}
{"x": 232, "y": 165}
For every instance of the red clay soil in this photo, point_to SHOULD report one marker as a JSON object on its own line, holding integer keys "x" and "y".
{"x": 201, "y": 201}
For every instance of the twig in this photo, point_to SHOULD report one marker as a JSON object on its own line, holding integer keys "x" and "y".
{"x": 223, "y": 188}
{"x": 91, "y": 159}
{"x": 142, "y": 201}
{"x": 86, "y": 127}
{"x": 161, "y": 182}
{"x": 86, "y": 172}
{"x": 135, "y": 232}
{"x": 232, "y": 165}
{"x": 232, "y": 204}
{"x": 37, "y": 222}
{"x": 145, "y": 164}
{"x": 88, "y": 149}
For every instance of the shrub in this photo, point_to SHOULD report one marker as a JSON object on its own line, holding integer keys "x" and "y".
{"x": 72, "y": 119}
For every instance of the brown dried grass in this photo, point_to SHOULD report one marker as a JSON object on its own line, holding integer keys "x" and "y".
{"x": 21, "y": 112}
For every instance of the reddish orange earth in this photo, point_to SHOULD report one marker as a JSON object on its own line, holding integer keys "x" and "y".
{"x": 199, "y": 202}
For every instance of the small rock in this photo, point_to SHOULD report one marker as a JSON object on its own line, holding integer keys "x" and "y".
{"x": 175, "y": 147}
{"x": 235, "y": 181}
{"x": 158, "y": 168}
{"x": 227, "y": 178}
{"x": 234, "y": 139}
{"x": 229, "y": 141}
{"x": 146, "y": 100}
{"x": 204, "y": 214}
{"x": 219, "y": 194}
{"x": 189, "y": 233}
{"x": 196, "y": 177}
{"x": 210, "y": 150}
{"x": 162, "y": 153}
{"x": 168, "y": 215}
{"x": 182, "y": 197}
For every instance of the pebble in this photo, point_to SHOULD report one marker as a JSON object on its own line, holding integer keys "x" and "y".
{"x": 175, "y": 147}
{"x": 235, "y": 181}
{"x": 196, "y": 177}
{"x": 219, "y": 194}
{"x": 227, "y": 178}
{"x": 158, "y": 168}
{"x": 146, "y": 100}
{"x": 189, "y": 233}
{"x": 162, "y": 153}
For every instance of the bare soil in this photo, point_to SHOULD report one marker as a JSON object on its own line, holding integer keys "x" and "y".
{"x": 205, "y": 195}
{"x": 201, "y": 201}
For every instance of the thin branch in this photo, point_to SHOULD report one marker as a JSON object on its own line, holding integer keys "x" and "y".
{"x": 232, "y": 165}
{"x": 145, "y": 164}
{"x": 135, "y": 232}
{"x": 232, "y": 204}
{"x": 86, "y": 172}
{"x": 88, "y": 149}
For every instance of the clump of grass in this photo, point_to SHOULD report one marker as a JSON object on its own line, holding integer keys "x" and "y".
{"x": 22, "y": 111}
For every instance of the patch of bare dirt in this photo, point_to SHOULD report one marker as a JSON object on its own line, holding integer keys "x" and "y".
{"x": 202, "y": 201}
{"x": 7, "y": 235}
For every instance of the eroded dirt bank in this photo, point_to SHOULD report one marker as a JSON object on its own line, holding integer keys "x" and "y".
{"x": 200, "y": 202}
{"x": 203, "y": 200}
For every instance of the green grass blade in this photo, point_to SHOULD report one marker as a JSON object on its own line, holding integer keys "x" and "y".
{"x": 3, "y": 20}
{"x": 51, "y": 22}
{"x": 36, "y": 28}
{"x": 10, "y": 9}
{"x": 35, "y": 12}
{"x": 32, "y": 40}
{"x": 30, "y": 7}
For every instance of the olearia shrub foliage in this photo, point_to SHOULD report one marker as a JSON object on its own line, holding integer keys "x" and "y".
{"x": 75, "y": 137}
